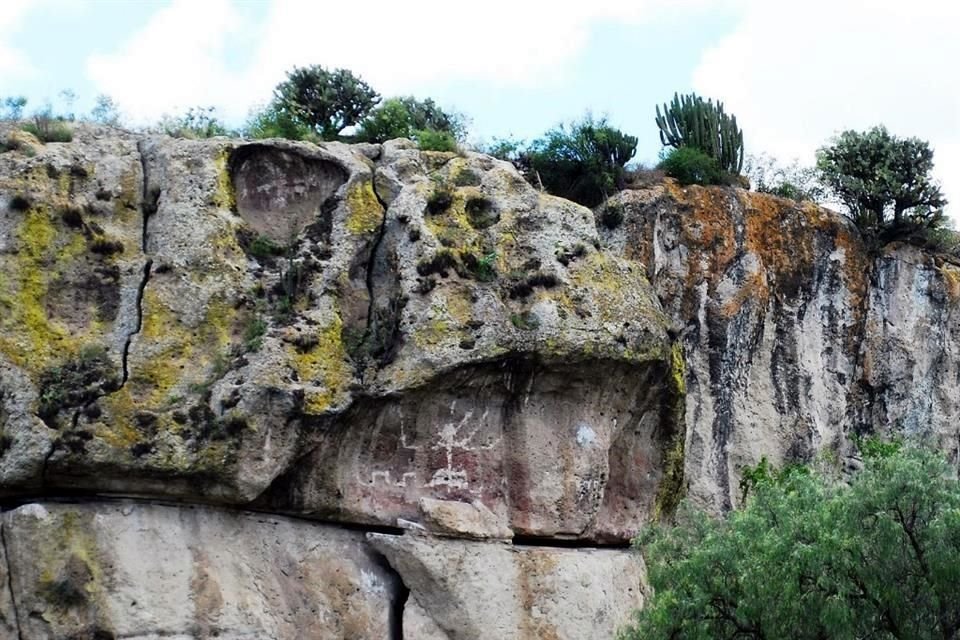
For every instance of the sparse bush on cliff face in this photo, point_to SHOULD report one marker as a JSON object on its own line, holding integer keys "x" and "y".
{"x": 809, "y": 556}
{"x": 884, "y": 181}
{"x": 583, "y": 162}
{"x": 326, "y": 101}
{"x": 691, "y": 121}
{"x": 49, "y": 128}
{"x": 691, "y": 166}
{"x": 406, "y": 117}
{"x": 196, "y": 123}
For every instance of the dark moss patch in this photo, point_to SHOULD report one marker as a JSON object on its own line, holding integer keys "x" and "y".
{"x": 566, "y": 256}
{"x": 467, "y": 178}
{"x": 440, "y": 263}
{"x": 76, "y": 383}
{"x": 142, "y": 449}
{"x": 20, "y": 202}
{"x": 439, "y": 201}
{"x": 104, "y": 245}
{"x": 258, "y": 246}
{"x": 72, "y": 217}
{"x": 481, "y": 213}
{"x": 526, "y": 286}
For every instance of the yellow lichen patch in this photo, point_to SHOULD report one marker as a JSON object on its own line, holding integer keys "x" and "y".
{"x": 365, "y": 213}
{"x": 951, "y": 280}
{"x": 29, "y": 337}
{"x": 126, "y": 204}
{"x": 324, "y": 369}
{"x": 224, "y": 194}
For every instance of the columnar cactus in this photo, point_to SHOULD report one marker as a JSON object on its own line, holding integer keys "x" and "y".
{"x": 690, "y": 121}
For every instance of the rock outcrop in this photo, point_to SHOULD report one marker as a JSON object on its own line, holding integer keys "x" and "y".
{"x": 281, "y": 390}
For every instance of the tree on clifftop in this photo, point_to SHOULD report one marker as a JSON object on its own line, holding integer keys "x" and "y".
{"x": 326, "y": 101}
{"x": 884, "y": 180}
{"x": 812, "y": 557}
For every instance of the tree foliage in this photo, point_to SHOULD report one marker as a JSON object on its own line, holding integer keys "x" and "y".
{"x": 884, "y": 180}
{"x": 791, "y": 181}
{"x": 811, "y": 557}
{"x": 689, "y": 165}
{"x": 583, "y": 162}
{"x": 326, "y": 101}
{"x": 406, "y": 117}
{"x": 272, "y": 121}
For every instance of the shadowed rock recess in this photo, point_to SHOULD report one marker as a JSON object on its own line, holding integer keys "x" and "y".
{"x": 280, "y": 390}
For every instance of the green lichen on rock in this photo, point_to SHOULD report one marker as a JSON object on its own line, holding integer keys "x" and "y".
{"x": 365, "y": 212}
{"x": 672, "y": 487}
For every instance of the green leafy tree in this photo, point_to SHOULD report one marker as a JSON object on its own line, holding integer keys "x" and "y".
{"x": 13, "y": 107}
{"x": 272, "y": 121}
{"x": 583, "y": 162}
{"x": 105, "y": 111}
{"x": 884, "y": 180}
{"x": 326, "y": 101}
{"x": 811, "y": 557}
{"x": 691, "y": 121}
{"x": 405, "y": 117}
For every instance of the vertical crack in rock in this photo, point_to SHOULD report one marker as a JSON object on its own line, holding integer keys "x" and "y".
{"x": 148, "y": 206}
{"x": 126, "y": 345}
{"x": 399, "y": 603}
{"x": 13, "y": 601}
{"x": 371, "y": 334}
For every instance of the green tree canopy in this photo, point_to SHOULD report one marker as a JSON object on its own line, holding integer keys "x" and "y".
{"x": 406, "y": 117}
{"x": 326, "y": 101}
{"x": 813, "y": 557}
{"x": 884, "y": 180}
{"x": 583, "y": 162}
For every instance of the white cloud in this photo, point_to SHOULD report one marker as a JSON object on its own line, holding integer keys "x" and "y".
{"x": 177, "y": 60}
{"x": 13, "y": 62}
{"x": 797, "y": 73}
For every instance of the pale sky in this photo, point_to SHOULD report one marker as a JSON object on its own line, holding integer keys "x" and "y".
{"x": 794, "y": 73}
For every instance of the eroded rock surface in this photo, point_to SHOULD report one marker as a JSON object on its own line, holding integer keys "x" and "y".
{"x": 383, "y": 338}
{"x": 491, "y": 591}
{"x": 147, "y": 571}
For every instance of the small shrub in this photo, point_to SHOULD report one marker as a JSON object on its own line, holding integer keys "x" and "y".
{"x": 526, "y": 286}
{"x": 47, "y": 128}
{"x": 611, "y": 216}
{"x": 253, "y": 334}
{"x": 480, "y": 269}
{"x": 691, "y": 166}
{"x": 430, "y": 140}
{"x": 271, "y": 121}
{"x": 441, "y": 262}
{"x": 196, "y": 123}
{"x": 527, "y": 320}
{"x": 566, "y": 256}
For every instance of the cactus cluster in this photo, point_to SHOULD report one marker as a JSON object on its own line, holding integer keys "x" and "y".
{"x": 691, "y": 121}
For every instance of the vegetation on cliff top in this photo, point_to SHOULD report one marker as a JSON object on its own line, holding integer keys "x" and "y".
{"x": 812, "y": 556}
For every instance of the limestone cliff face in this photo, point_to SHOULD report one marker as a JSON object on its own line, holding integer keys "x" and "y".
{"x": 270, "y": 389}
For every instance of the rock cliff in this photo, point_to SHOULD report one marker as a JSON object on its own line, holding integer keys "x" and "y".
{"x": 279, "y": 390}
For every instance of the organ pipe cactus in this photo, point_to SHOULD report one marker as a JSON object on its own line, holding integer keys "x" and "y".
{"x": 691, "y": 121}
